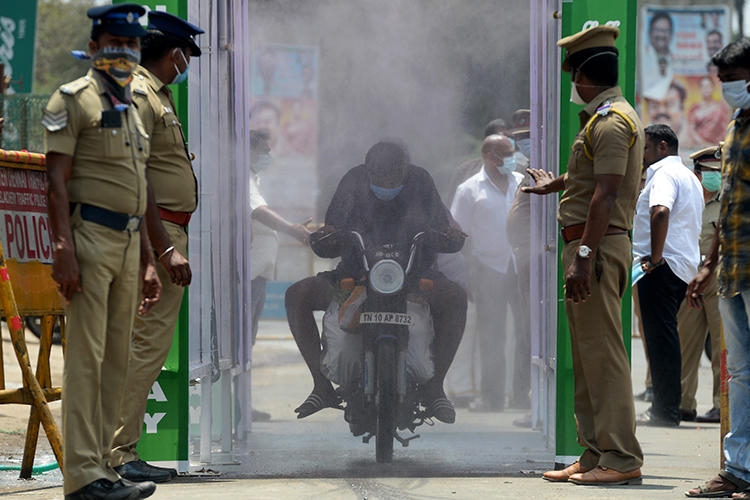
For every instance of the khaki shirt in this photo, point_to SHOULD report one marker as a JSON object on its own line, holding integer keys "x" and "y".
{"x": 170, "y": 171}
{"x": 609, "y": 143}
{"x": 109, "y": 162}
{"x": 708, "y": 228}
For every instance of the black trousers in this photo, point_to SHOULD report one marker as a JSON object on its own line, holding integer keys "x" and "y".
{"x": 660, "y": 294}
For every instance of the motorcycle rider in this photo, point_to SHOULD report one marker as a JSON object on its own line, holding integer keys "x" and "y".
{"x": 385, "y": 199}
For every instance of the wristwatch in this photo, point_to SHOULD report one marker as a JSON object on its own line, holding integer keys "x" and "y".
{"x": 584, "y": 252}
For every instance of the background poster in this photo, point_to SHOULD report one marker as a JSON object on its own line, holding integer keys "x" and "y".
{"x": 678, "y": 85}
{"x": 285, "y": 103}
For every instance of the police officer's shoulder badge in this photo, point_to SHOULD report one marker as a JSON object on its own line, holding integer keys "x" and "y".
{"x": 54, "y": 120}
{"x": 604, "y": 109}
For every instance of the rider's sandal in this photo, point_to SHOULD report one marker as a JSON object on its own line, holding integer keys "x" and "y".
{"x": 314, "y": 403}
{"x": 442, "y": 409}
{"x": 718, "y": 487}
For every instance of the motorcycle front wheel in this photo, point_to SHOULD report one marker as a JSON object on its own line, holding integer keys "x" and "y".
{"x": 386, "y": 370}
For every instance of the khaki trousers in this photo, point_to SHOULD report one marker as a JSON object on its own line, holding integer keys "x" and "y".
{"x": 152, "y": 339}
{"x": 100, "y": 319}
{"x": 604, "y": 407}
{"x": 693, "y": 325}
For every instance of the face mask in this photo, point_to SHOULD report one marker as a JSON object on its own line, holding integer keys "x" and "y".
{"x": 508, "y": 166}
{"x": 512, "y": 142}
{"x": 180, "y": 77}
{"x": 263, "y": 161}
{"x": 575, "y": 97}
{"x": 711, "y": 181}
{"x": 735, "y": 94}
{"x": 525, "y": 146}
{"x": 117, "y": 62}
{"x": 385, "y": 194}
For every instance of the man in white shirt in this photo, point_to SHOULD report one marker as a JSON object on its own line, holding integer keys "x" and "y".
{"x": 666, "y": 231}
{"x": 264, "y": 243}
{"x": 481, "y": 207}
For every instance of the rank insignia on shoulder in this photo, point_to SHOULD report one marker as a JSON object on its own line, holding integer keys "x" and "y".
{"x": 604, "y": 109}
{"x": 54, "y": 122}
{"x": 139, "y": 91}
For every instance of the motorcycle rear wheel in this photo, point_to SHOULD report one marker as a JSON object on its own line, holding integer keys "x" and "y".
{"x": 386, "y": 370}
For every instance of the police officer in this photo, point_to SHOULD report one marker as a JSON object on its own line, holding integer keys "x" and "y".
{"x": 596, "y": 212}
{"x": 96, "y": 168}
{"x": 694, "y": 324}
{"x": 165, "y": 56}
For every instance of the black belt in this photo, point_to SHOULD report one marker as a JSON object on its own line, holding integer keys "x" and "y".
{"x": 113, "y": 220}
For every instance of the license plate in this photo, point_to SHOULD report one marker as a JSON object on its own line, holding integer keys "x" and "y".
{"x": 386, "y": 318}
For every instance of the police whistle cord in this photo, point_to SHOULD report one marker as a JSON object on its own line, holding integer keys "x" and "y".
{"x": 40, "y": 412}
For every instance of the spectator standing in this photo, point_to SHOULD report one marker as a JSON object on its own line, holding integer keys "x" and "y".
{"x": 665, "y": 248}
{"x": 730, "y": 253}
{"x": 481, "y": 207}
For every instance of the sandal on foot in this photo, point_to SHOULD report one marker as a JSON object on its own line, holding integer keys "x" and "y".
{"x": 718, "y": 487}
{"x": 742, "y": 494}
{"x": 442, "y": 409}
{"x": 315, "y": 402}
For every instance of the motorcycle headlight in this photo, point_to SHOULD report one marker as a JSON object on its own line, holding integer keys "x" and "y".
{"x": 387, "y": 276}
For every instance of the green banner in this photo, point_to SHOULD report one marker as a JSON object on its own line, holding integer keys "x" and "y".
{"x": 576, "y": 16}
{"x": 17, "y": 33}
{"x": 165, "y": 429}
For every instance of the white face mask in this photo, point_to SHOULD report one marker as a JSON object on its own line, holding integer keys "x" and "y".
{"x": 575, "y": 97}
{"x": 735, "y": 94}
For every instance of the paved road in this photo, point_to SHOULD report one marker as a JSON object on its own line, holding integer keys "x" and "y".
{"x": 317, "y": 457}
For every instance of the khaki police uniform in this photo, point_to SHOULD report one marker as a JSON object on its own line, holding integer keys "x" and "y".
{"x": 109, "y": 172}
{"x": 171, "y": 176}
{"x": 694, "y": 324}
{"x": 610, "y": 141}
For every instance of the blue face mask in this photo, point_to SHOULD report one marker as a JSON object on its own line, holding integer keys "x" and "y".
{"x": 525, "y": 146}
{"x": 385, "y": 194}
{"x": 262, "y": 162}
{"x": 181, "y": 77}
{"x": 508, "y": 166}
{"x": 711, "y": 181}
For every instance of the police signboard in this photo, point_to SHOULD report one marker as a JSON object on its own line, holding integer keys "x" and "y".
{"x": 17, "y": 33}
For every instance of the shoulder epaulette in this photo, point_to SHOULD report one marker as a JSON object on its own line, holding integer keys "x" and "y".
{"x": 603, "y": 111}
{"x": 75, "y": 86}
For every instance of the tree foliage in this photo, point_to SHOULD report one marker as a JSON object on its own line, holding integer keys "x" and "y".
{"x": 61, "y": 27}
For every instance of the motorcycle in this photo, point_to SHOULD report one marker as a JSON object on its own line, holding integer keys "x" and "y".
{"x": 381, "y": 391}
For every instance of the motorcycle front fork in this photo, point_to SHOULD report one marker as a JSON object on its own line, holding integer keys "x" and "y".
{"x": 369, "y": 377}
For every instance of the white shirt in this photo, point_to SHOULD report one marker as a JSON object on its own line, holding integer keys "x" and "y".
{"x": 482, "y": 211}
{"x": 264, "y": 242}
{"x": 671, "y": 184}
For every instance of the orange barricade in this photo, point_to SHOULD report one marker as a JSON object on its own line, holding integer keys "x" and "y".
{"x": 27, "y": 289}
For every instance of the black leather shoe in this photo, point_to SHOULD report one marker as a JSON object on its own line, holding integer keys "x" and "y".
{"x": 138, "y": 471}
{"x": 688, "y": 415}
{"x": 145, "y": 488}
{"x": 106, "y": 489}
{"x": 712, "y": 416}
{"x": 649, "y": 418}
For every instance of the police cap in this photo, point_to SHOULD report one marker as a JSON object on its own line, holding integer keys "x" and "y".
{"x": 177, "y": 27}
{"x": 708, "y": 158}
{"x": 599, "y": 36}
{"x": 119, "y": 20}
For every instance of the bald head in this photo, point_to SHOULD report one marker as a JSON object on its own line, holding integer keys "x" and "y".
{"x": 497, "y": 145}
